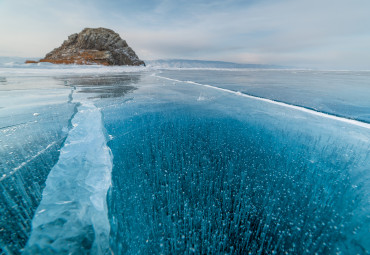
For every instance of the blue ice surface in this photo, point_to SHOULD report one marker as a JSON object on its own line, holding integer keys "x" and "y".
{"x": 195, "y": 169}
{"x": 34, "y": 120}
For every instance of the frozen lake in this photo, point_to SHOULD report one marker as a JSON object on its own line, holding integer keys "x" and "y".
{"x": 181, "y": 161}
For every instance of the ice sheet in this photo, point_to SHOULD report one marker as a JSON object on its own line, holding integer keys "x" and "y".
{"x": 199, "y": 164}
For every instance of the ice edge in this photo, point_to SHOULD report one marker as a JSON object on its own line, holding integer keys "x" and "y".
{"x": 299, "y": 108}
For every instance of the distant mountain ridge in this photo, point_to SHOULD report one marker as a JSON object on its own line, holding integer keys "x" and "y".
{"x": 187, "y": 63}
{"x": 7, "y": 60}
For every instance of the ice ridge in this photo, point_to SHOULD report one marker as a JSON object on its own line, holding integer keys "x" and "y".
{"x": 72, "y": 217}
{"x": 299, "y": 108}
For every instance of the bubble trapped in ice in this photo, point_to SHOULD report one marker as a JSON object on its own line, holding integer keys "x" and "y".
{"x": 202, "y": 166}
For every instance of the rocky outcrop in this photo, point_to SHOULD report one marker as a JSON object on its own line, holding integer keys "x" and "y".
{"x": 94, "y": 46}
{"x": 31, "y": 62}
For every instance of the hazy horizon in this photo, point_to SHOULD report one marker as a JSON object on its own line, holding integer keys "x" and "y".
{"x": 308, "y": 34}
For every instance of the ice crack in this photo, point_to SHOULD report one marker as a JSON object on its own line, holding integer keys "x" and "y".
{"x": 299, "y": 108}
{"x": 73, "y": 216}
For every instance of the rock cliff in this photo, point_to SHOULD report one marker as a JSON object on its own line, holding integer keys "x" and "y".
{"x": 94, "y": 46}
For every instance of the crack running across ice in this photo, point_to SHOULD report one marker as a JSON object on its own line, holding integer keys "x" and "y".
{"x": 73, "y": 216}
{"x": 299, "y": 108}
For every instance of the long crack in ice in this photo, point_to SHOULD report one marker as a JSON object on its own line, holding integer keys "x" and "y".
{"x": 73, "y": 214}
{"x": 299, "y": 108}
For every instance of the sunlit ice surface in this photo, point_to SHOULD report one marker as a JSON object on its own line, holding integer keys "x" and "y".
{"x": 147, "y": 161}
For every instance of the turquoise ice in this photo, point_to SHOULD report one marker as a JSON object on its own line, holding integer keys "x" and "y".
{"x": 178, "y": 161}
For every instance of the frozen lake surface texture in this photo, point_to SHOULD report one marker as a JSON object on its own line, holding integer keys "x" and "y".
{"x": 150, "y": 160}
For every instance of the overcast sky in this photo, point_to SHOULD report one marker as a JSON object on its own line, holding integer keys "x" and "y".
{"x": 328, "y": 34}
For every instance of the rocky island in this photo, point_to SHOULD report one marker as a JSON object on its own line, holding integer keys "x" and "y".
{"x": 93, "y": 46}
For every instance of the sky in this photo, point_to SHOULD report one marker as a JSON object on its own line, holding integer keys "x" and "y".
{"x": 323, "y": 34}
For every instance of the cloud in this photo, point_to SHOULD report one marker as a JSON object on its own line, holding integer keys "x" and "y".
{"x": 326, "y": 34}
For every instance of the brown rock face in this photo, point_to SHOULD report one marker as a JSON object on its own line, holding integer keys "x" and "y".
{"x": 31, "y": 62}
{"x": 94, "y": 46}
